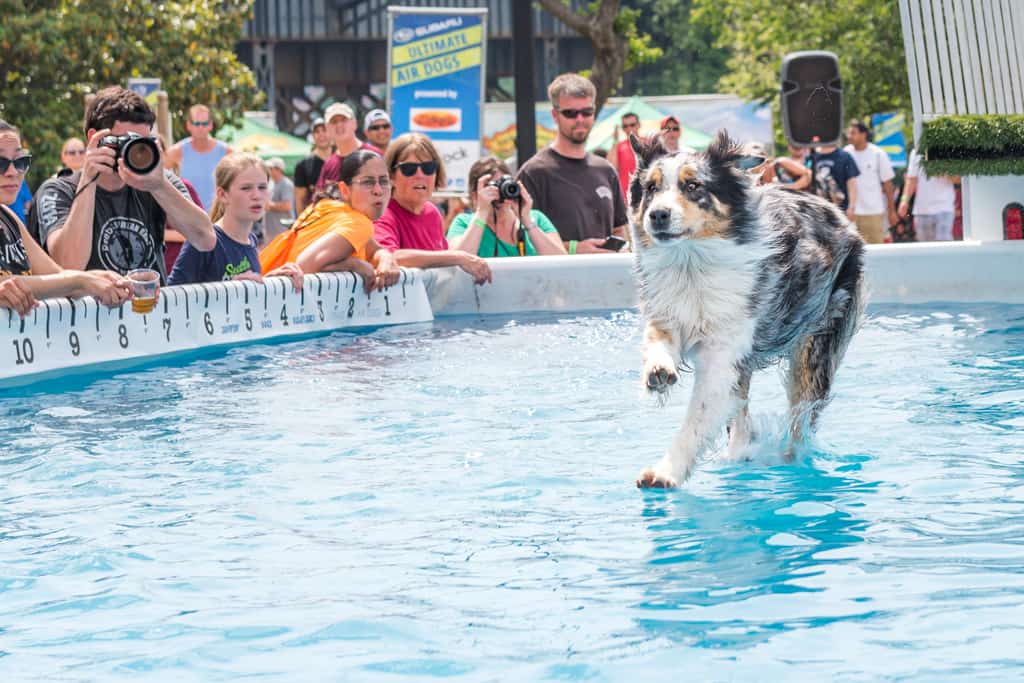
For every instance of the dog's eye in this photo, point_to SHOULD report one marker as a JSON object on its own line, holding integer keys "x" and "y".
{"x": 691, "y": 186}
{"x": 651, "y": 187}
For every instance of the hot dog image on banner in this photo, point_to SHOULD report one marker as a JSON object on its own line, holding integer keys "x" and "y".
{"x": 436, "y": 60}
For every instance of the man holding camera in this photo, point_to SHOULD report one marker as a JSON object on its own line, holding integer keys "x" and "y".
{"x": 111, "y": 215}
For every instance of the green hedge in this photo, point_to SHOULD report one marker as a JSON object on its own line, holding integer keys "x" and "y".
{"x": 974, "y": 145}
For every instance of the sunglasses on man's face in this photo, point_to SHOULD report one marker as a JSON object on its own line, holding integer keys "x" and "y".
{"x": 408, "y": 168}
{"x": 570, "y": 114}
{"x": 380, "y": 126}
{"x": 671, "y": 129}
{"x": 200, "y": 124}
{"x": 21, "y": 163}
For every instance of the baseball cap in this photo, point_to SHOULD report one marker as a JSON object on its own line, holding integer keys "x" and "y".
{"x": 275, "y": 162}
{"x": 317, "y": 122}
{"x": 670, "y": 117}
{"x": 375, "y": 115}
{"x": 338, "y": 109}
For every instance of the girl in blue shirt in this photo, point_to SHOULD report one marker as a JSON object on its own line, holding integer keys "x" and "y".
{"x": 241, "y": 196}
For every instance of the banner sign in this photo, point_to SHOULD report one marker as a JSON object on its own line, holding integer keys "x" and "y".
{"x": 146, "y": 87}
{"x": 888, "y": 130}
{"x": 436, "y": 78}
{"x": 61, "y": 334}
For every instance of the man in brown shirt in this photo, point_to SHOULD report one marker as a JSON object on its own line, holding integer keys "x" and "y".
{"x": 578, "y": 191}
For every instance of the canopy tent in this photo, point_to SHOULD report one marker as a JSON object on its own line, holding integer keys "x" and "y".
{"x": 266, "y": 142}
{"x": 603, "y": 134}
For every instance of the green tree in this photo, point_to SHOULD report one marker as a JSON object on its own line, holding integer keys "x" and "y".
{"x": 54, "y": 52}
{"x": 864, "y": 34}
{"x": 612, "y": 30}
{"x": 690, "y": 63}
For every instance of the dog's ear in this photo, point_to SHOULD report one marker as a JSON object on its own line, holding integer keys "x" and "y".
{"x": 647, "y": 151}
{"x": 724, "y": 151}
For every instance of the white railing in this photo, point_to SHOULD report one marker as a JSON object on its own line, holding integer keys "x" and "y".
{"x": 963, "y": 57}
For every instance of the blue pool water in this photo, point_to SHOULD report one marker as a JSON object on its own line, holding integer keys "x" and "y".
{"x": 455, "y": 501}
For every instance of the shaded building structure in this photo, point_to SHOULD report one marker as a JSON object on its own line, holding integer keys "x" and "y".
{"x": 308, "y": 53}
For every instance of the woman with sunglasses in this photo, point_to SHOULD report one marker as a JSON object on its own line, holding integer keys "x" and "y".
{"x": 670, "y": 133}
{"x": 501, "y": 227}
{"x": 412, "y": 226}
{"x": 335, "y": 232}
{"x": 26, "y": 272}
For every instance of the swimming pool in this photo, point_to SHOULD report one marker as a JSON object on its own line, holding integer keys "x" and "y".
{"x": 454, "y": 500}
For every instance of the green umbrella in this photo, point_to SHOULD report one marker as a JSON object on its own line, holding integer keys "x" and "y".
{"x": 603, "y": 134}
{"x": 266, "y": 142}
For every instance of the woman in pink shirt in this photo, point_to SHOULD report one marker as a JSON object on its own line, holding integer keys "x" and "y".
{"x": 411, "y": 225}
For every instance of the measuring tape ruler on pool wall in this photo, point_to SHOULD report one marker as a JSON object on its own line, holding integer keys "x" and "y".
{"x": 62, "y": 333}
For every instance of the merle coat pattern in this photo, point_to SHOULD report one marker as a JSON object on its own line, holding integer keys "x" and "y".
{"x": 734, "y": 277}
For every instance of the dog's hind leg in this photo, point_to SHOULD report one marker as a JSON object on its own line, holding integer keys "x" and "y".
{"x": 811, "y": 369}
{"x": 739, "y": 428}
{"x": 711, "y": 405}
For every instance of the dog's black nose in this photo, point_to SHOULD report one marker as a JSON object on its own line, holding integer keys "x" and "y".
{"x": 659, "y": 218}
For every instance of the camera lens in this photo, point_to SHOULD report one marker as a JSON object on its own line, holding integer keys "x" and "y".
{"x": 140, "y": 155}
{"x": 508, "y": 188}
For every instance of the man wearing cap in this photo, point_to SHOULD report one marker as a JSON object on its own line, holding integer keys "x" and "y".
{"x": 308, "y": 170}
{"x": 377, "y": 128}
{"x": 341, "y": 126}
{"x": 281, "y": 209}
{"x": 670, "y": 133}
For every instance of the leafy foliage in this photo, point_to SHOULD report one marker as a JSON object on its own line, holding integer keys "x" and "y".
{"x": 690, "y": 62}
{"x": 864, "y": 34}
{"x": 612, "y": 31}
{"x": 54, "y": 52}
{"x": 974, "y": 145}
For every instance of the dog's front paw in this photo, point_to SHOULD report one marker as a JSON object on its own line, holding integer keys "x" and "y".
{"x": 650, "y": 478}
{"x": 659, "y": 378}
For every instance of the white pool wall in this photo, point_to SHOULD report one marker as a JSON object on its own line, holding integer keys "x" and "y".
{"x": 897, "y": 273}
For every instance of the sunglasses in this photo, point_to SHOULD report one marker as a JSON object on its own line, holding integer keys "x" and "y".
{"x": 408, "y": 168}
{"x": 200, "y": 124}
{"x": 21, "y": 163}
{"x": 631, "y": 125}
{"x": 381, "y": 126}
{"x": 587, "y": 112}
{"x": 370, "y": 183}
{"x": 671, "y": 129}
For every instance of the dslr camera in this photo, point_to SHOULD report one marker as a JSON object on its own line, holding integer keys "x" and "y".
{"x": 138, "y": 152}
{"x": 507, "y": 187}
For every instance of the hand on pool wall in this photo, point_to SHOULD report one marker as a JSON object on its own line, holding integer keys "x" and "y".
{"x": 476, "y": 267}
{"x": 15, "y": 294}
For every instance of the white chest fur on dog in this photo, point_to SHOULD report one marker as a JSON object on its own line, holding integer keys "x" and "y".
{"x": 733, "y": 278}
{"x": 702, "y": 289}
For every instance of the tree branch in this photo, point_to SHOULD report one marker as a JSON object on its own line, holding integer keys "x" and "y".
{"x": 560, "y": 10}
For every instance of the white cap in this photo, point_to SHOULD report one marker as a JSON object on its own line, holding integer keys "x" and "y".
{"x": 338, "y": 109}
{"x": 375, "y": 115}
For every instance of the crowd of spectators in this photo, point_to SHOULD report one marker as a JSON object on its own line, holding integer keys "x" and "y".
{"x": 367, "y": 206}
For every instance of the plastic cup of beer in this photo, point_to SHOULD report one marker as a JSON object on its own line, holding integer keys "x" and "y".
{"x": 145, "y": 282}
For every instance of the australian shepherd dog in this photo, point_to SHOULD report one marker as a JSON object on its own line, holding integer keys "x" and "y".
{"x": 734, "y": 277}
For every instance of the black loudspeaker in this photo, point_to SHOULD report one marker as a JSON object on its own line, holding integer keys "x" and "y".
{"x": 812, "y": 98}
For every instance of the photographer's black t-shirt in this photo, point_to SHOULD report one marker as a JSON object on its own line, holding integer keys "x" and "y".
{"x": 127, "y": 228}
{"x": 13, "y": 259}
{"x": 582, "y": 197}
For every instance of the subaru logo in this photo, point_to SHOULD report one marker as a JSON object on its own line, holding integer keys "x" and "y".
{"x": 404, "y": 35}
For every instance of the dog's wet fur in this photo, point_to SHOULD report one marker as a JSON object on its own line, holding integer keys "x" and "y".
{"x": 734, "y": 277}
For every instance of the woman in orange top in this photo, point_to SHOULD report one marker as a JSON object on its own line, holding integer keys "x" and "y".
{"x": 335, "y": 232}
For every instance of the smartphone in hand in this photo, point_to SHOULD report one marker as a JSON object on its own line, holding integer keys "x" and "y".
{"x": 613, "y": 243}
